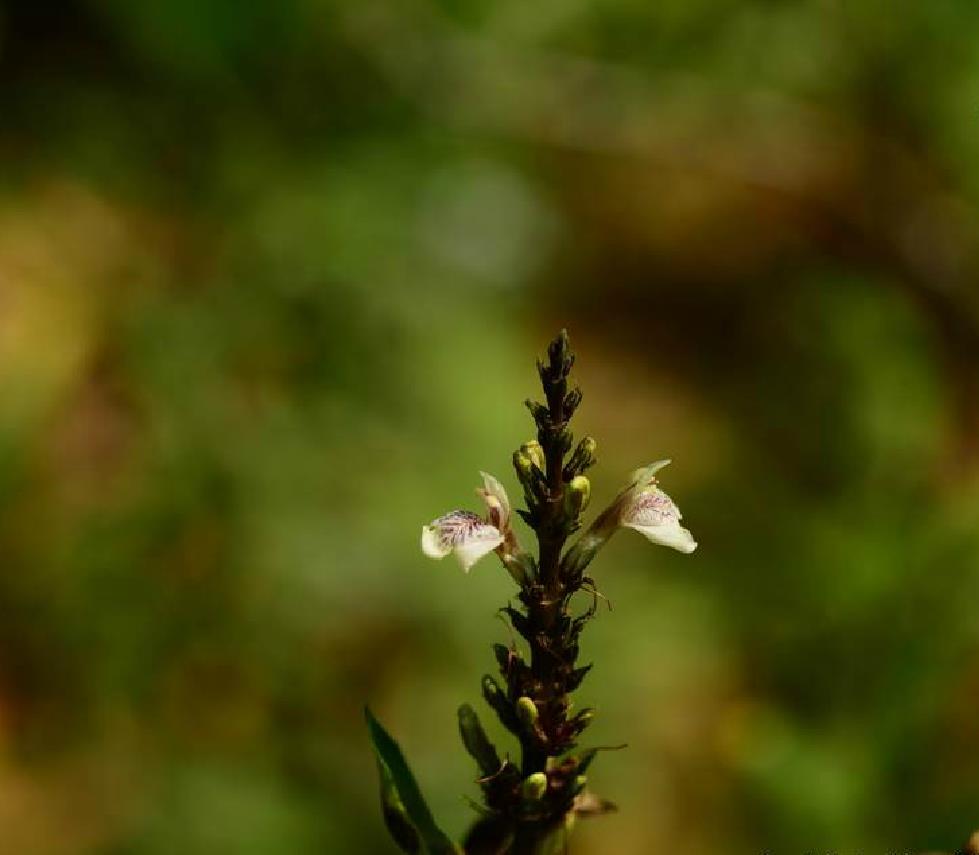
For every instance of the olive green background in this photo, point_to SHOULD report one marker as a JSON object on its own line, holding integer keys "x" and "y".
{"x": 273, "y": 276}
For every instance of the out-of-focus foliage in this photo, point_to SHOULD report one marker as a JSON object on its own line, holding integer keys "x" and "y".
{"x": 272, "y": 277}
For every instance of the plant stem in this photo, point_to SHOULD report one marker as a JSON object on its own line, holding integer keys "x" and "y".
{"x": 547, "y": 602}
{"x": 536, "y": 703}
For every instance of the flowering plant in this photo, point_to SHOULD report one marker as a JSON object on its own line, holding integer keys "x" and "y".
{"x": 531, "y": 805}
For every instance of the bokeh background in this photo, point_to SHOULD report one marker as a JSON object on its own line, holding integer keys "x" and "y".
{"x": 272, "y": 279}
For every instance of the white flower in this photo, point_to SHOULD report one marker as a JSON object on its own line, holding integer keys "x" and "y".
{"x": 647, "y": 509}
{"x": 653, "y": 514}
{"x": 468, "y": 536}
{"x": 463, "y": 533}
{"x": 641, "y": 505}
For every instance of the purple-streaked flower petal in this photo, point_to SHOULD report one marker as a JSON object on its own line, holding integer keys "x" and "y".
{"x": 462, "y": 533}
{"x": 652, "y": 513}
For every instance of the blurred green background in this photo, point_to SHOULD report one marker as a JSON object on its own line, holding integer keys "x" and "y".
{"x": 272, "y": 279}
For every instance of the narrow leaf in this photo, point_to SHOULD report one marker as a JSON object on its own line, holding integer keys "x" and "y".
{"x": 389, "y": 754}
{"x": 395, "y": 816}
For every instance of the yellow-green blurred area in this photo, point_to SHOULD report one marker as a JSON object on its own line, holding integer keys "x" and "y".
{"x": 272, "y": 279}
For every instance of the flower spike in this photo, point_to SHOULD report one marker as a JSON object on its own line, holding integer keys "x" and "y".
{"x": 532, "y": 803}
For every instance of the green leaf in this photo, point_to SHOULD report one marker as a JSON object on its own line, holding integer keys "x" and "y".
{"x": 402, "y": 800}
{"x": 477, "y": 742}
{"x": 395, "y": 816}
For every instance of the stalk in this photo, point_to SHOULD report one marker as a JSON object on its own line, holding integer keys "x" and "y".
{"x": 537, "y": 706}
{"x": 531, "y": 803}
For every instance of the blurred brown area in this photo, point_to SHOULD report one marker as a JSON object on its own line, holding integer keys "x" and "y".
{"x": 272, "y": 278}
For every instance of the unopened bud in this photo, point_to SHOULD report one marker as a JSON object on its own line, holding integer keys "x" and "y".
{"x": 527, "y": 712}
{"x": 535, "y": 452}
{"x": 540, "y": 412}
{"x": 534, "y": 787}
{"x": 524, "y": 466}
{"x": 477, "y": 742}
{"x": 491, "y": 691}
{"x": 582, "y": 459}
{"x": 560, "y": 356}
{"x": 580, "y": 782}
{"x": 578, "y": 495}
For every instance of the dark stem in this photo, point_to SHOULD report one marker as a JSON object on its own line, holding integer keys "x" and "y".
{"x": 545, "y": 610}
{"x": 547, "y": 604}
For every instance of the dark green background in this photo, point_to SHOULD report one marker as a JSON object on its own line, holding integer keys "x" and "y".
{"x": 272, "y": 279}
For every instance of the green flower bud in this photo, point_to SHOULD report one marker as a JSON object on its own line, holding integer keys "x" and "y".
{"x": 578, "y": 495}
{"x": 582, "y": 459}
{"x": 534, "y": 787}
{"x": 535, "y": 452}
{"x": 580, "y": 782}
{"x": 527, "y": 712}
{"x": 527, "y": 462}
